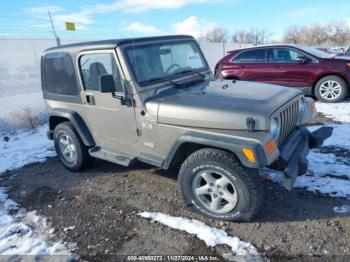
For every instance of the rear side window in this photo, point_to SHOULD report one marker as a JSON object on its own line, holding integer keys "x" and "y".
{"x": 251, "y": 56}
{"x": 59, "y": 75}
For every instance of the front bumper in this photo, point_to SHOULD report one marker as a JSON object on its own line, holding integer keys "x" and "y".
{"x": 293, "y": 154}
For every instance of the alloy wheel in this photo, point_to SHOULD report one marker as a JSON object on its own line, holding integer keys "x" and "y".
{"x": 215, "y": 191}
{"x": 67, "y": 148}
{"x": 330, "y": 90}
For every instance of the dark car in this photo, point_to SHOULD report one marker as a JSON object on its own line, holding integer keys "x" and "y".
{"x": 327, "y": 76}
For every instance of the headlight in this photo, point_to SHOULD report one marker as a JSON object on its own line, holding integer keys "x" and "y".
{"x": 275, "y": 127}
{"x": 301, "y": 103}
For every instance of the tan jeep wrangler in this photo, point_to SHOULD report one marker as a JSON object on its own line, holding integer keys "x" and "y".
{"x": 155, "y": 100}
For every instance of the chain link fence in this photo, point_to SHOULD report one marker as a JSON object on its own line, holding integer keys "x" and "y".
{"x": 21, "y": 103}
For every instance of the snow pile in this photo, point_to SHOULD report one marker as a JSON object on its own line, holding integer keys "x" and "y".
{"x": 342, "y": 209}
{"x": 26, "y": 233}
{"x": 337, "y": 111}
{"x": 21, "y": 232}
{"x": 329, "y": 166}
{"x": 328, "y": 174}
{"x": 211, "y": 236}
{"x": 25, "y": 148}
{"x": 340, "y": 137}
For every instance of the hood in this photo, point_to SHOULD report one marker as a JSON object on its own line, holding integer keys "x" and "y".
{"x": 222, "y": 104}
{"x": 341, "y": 58}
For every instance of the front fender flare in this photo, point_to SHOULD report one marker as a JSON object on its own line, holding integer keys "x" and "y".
{"x": 229, "y": 143}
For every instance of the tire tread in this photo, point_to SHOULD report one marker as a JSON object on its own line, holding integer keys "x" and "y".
{"x": 250, "y": 177}
{"x": 342, "y": 82}
{"x": 85, "y": 159}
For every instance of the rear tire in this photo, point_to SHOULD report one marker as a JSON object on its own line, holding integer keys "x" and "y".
{"x": 331, "y": 89}
{"x": 70, "y": 148}
{"x": 214, "y": 183}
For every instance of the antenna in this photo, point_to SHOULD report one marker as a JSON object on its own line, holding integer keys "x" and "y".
{"x": 54, "y": 31}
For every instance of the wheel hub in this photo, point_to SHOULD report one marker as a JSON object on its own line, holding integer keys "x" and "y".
{"x": 67, "y": 147}
{"x": 330, "y": 90}
{"x": 215, "y": 191}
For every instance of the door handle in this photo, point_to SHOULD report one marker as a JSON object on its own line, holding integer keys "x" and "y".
{"x": 90, "y": 99}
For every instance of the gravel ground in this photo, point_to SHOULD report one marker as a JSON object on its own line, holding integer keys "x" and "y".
{"x": 96, "y": 209}
{"x": 102, "y": 203}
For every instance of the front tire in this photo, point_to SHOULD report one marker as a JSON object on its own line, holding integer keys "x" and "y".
{"x": 70, "y": 148}
{"x": 214, "y": 183}
{"x": 331, "y": 89}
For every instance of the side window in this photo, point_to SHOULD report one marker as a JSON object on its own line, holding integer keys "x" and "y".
{"x": 285, "y": 55}
{"x": 252, "y": 56}
{"x": 92, "y": 66}
{"x": 59, "y": 75}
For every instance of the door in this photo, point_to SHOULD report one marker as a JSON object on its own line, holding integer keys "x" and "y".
{"x": 292, "y": 67}
{"x": 111, "y": 122}
{"x": 252, "y": 65}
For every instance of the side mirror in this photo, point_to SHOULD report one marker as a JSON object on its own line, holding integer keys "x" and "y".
{"x": 303, "y": 59}
{"x": 107, "y": 84}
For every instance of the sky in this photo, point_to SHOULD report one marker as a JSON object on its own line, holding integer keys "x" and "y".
{"x": 128, "y": 18}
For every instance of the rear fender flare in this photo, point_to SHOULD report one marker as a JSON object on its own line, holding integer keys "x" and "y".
{"x": 77, "y": 122}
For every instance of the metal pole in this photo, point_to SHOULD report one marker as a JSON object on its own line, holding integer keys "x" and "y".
{"x": 54, "y": 31}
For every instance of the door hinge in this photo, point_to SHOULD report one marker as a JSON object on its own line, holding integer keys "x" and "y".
{"x": 138, "y": 131}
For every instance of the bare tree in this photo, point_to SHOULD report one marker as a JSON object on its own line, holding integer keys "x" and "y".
{"x": 241, "y": 37}
{"x": 310, "y": 35}
{"x": 254, "y": 36}
{"x": 315, "y": 35}
{"x": 334, "y": 33}
{"x": 338, "y": 32}
{"x": 259, "y": 36}
{"x": 292, "y": 35}
{"x": 217, "y": 35}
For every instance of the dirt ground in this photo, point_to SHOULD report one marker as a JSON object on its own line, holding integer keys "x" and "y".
{"x": 102, "y": 205}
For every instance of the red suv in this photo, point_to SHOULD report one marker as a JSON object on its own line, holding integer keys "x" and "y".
{"x": 315, "y": 72}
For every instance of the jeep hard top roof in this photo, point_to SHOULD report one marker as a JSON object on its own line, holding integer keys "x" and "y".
{"x": 112, "y": 43}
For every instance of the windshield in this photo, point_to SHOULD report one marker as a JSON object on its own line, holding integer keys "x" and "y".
{"x": 316, "y": 52}
{"x": 152, "y": 62}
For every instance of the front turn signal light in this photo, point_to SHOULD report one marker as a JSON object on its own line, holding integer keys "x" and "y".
{"x": 270, "y": 147}
{"x": 313, "y": 107}
{"x": 249, "y": 154}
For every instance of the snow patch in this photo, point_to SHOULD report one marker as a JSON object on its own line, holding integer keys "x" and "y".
{"x": 25, "y": 148}
{"x": 69, "y": 228}
{"x": 26, "y": 233}
{"x": 211, "y": 236}
{"x": 328, "y": 174}
{"x": 342, "y": 209}
{"x": 339, "y": 138}
{"x": 21, "y": 232}
{"x": 336, "y": 111}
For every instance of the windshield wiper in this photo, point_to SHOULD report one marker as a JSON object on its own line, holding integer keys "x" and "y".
{"x": 192, "y": 71}
{"x": 176, "y": 84}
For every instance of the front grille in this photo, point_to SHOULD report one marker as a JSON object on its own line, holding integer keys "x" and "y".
{"x": 289, "y": 119}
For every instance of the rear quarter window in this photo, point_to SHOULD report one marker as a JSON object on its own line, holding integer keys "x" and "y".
{"x": 59, "y": 76}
